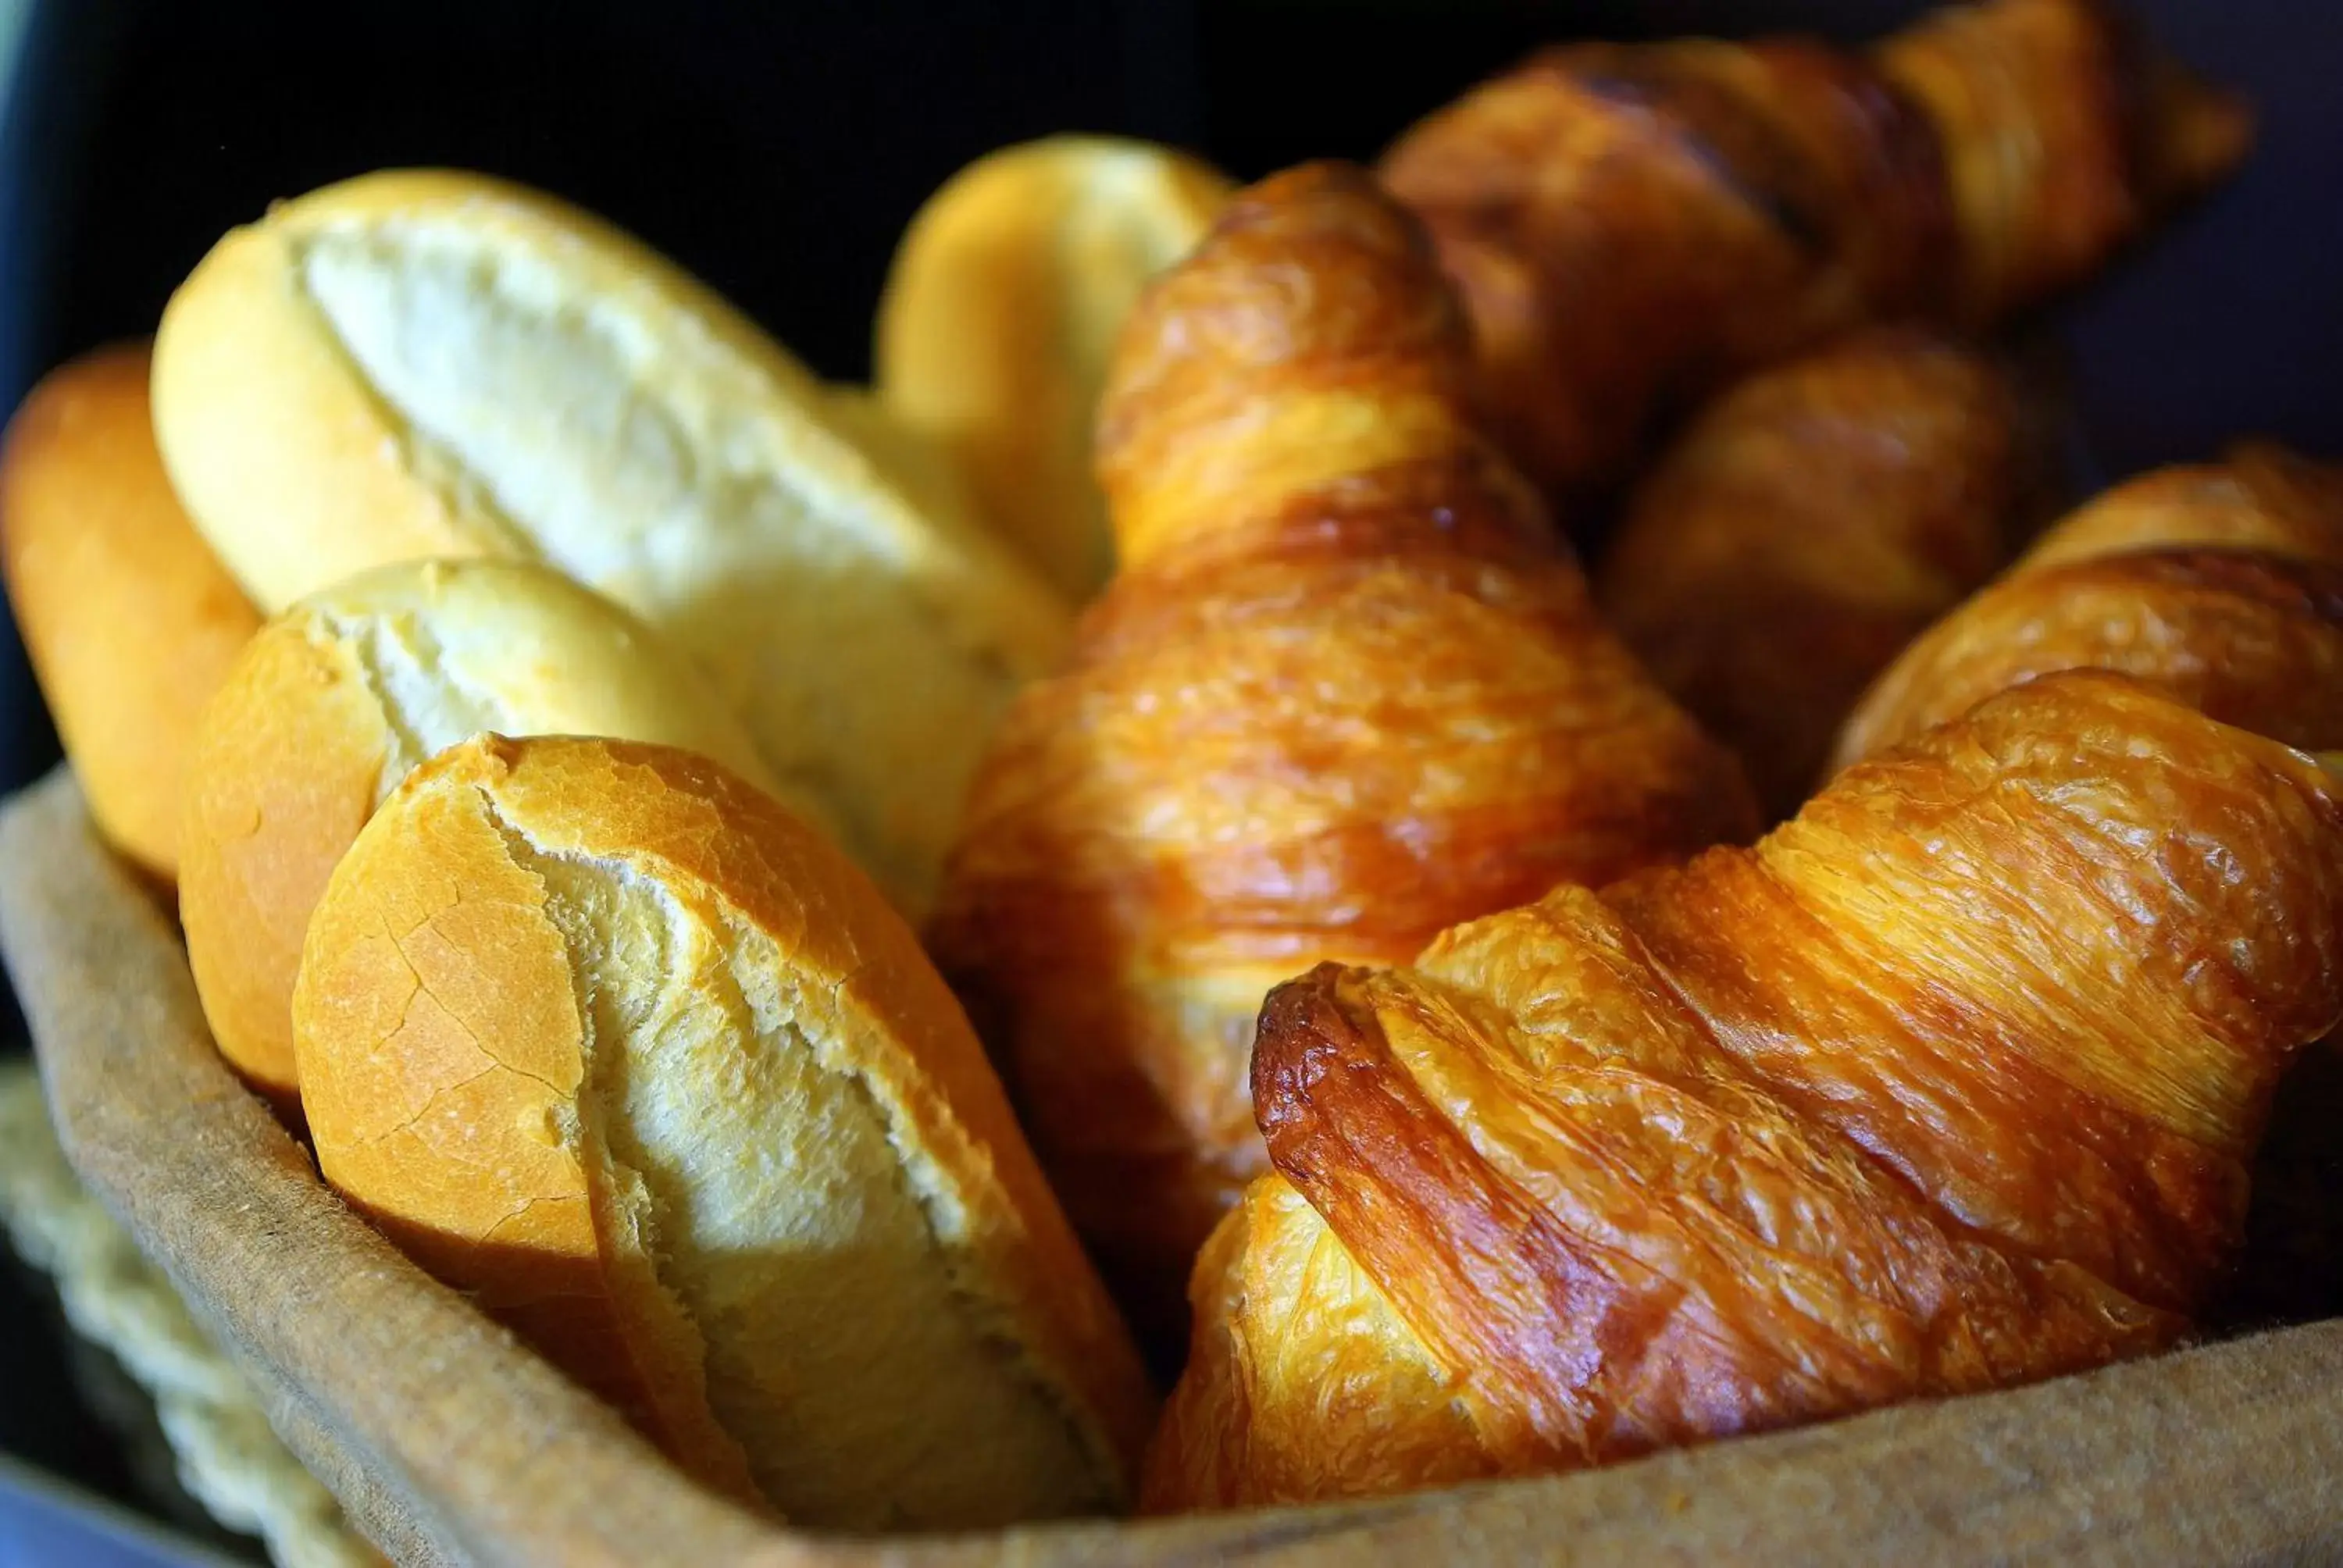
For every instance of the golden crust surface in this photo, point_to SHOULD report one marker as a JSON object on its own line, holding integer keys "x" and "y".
{"x": 446, "y": 1074}
{"x": 1939, "y": 1088}
{"x": 1629, "y": 224}
{"x": 2222, "y": 583}
{"x": 1808, "y": 525}
{"x": 286, "y": 767}
{"x": 428, "y": 364}
{"x": 1000, "y": 311}
{"x": 1347, "y": 689}
{"x": 442, "y": 1055}
{"x": 334, "y": 701}
{"x": 128, "y": 620}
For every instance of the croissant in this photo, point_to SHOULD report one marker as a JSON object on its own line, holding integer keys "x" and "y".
{"x": 2221, "y": 583}
{"x": 1629, "y": 224}
{"x": 1948, "y": 1084}
{"x": 1347, "y": 688}
{"x": 1809, "y": 524}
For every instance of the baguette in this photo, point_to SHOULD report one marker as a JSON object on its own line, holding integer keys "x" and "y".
{"x": 416, "y": 364}
{"x": 1001, "y": 312}
{"x": 129, "y": 621}
{"x": 338, "y": 698}
{"x": 604, "y": 1036}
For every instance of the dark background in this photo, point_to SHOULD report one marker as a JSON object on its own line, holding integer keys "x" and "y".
{"x": 776, "y": 150}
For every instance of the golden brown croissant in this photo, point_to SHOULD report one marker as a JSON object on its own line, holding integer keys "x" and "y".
{"x": 1948, "y": 1084}
{"x": 1631, "y": 223}
{"x": 1347, "y": 689}
{"x": 1811, "y": 522}
{"x": 2222, "y": 583}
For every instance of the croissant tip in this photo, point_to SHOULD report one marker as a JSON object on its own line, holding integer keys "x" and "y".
{"x": 2194, "y": 134}
{"x": 1298, "y": 1015}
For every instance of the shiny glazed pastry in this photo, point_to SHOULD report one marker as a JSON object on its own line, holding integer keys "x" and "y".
{"x": 1631, "y": 223}
{"x": 129, "y": 621}
{"x": 1809, "y": 524}
{"x": 1347, "y": 689}
{"x": 1934, "y": 1091}
{"x": 2221, "y": 583}
{"x": 1001, "y": 312}
{"x": 426, "y": 364}
{"x": 337, "y": 699}
{"x": 608, "y": 1040}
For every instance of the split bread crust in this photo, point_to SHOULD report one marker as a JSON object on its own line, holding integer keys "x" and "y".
{"x": 337, "y": 699}
{"x": 607, "y": 1038}
{"x": 418, "y": 364}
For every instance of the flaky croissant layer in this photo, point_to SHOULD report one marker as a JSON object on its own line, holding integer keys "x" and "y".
{"x": 2221, "y": 583}
{"x": 1347, "y": 689}
{"x": 1948, "y": 1084}
{"x": 1629, "y": 224}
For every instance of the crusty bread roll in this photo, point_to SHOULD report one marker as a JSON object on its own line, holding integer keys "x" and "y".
{"x": 434, "y": 364}
{"x": 610, "y": 1040}
{"x": 338, "y": 698}
{"x": 129, "y": 621}
{"x": 1000, "y": 311}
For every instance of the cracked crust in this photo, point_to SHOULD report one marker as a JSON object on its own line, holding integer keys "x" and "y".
{"x": 483, "y": 987}
{"x": 335, "y": 700}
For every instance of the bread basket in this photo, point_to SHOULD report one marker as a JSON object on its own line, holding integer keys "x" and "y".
{"x": 447, "y": 1442}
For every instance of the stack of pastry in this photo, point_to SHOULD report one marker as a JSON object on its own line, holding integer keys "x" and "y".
{"x": 1398, "y": 1019}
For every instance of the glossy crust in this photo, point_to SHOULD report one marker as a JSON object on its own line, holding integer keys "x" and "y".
{"x": 128, "y": 620}
{"x": 1346, "y": 691}
{"x": 1631, "y": 223}
{"x": 1001, "y": 313}
{"x": 424, "y": 364}
{"x": 457, "y": 1026}
{"x": 1948, "y": 1084}
{"x": 1811, "y": 522}
{"x": 2064, "y": 132}
{"x": 2221, "y": 583}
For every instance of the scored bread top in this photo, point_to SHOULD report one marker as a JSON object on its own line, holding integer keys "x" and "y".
{"x": 335, "y": 700}
{"x": 129, "y": 621}
{"x": 612, "y": 1039}
{"x": 433, "y": 364}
